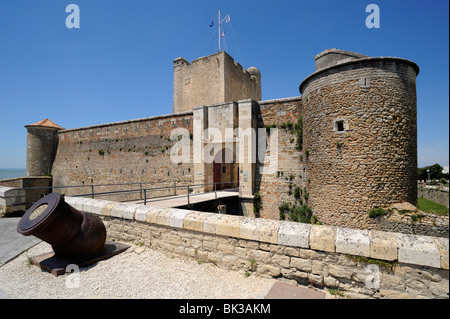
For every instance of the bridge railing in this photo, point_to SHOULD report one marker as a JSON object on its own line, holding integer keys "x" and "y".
{"x": 92, "y": 190}
{"x": 190, "y": 189}
{"x": 176, "y": 188}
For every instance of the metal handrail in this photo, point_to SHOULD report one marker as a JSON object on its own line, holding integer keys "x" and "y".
{"x": 188, "y": 187}
{"x": 93, "y": 193}
{"x": 93, "y": 185}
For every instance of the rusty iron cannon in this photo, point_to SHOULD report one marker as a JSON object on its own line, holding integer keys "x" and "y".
{"x": 72, "y": 234}
{"x": 76, "y": 237}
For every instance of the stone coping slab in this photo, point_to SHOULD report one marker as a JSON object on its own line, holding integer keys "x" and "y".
{"x": 409, "y": 249}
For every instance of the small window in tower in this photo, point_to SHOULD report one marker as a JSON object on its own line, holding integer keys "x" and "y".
{"x": 340, "y": 125}
{"x": 224, "y": 169}
{"x": 364, "y": 83}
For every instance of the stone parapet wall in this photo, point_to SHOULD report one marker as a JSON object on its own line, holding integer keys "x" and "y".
{"x": 358, "y": 263}
{"x": 9, "y": 200}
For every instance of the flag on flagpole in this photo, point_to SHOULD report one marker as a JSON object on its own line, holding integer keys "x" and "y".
{"x": 223, "y": 34}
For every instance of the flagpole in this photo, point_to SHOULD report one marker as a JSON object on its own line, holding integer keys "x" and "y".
{"x": 219, "y": 30}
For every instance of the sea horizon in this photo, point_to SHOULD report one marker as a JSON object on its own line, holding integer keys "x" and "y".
{"x": 6, "y": 173}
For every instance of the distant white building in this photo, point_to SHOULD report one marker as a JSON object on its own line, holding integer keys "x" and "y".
{"x": 445, "y": 170}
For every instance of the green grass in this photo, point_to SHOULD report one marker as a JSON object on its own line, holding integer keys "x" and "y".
{"x": 429, "y": 206}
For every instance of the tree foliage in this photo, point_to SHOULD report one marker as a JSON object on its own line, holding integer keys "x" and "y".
{"x": 435, "y": 172}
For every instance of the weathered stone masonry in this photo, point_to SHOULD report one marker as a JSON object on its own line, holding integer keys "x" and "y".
{"x": 213, "y": 79}
{"x": 277, "y": 187}
{"x": 121, "y": 152}
{"x": 410, "y": 266}
{"x": 361, "y": 138}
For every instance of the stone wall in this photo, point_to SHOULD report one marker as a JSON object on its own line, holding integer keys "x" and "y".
{"x": 26, "y": 197}
{"x": 278, "y": 186}
{"x": 360, "y": 143}
{"x": 11, "y": 200}
{"x": 357, "y": 263}
{"x": 419, "y": 223}
{"x": 122, "y": 152}
{"x": 436, "y": 195}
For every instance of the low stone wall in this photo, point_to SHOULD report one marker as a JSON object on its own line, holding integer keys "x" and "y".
{"x": 11, "y": 195}
{"x": 418, "y": 223}
{"x": 9, "y": 198}
{"x": 436, "y": 195}
{"x": 356, "y": 263}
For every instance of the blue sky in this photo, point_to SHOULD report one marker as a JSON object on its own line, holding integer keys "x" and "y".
{"x": 118, "y": 64}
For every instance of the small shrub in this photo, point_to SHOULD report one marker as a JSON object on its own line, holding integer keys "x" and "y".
{"x": 305, "y": 194}
{"x": 269, "y": 126}
{"x": 297, "y": 192}
{"x": 101, "y": 152}
{"x": 257, "y": 203}
{"x": 377, "y": 212}
{"x": 289, "y": 125}
{"x": 284, "y": 209}
{"x": 302, "y": 214}
{"x": 252, "y": 264}
{"x": 417, "y": 217}
{"x": 299, "y": 133}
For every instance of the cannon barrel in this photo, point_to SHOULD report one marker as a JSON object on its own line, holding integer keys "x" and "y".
{"x": 72, "y": 234}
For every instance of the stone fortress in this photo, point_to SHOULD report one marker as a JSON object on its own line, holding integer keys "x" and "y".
{"x": 347, "y": 145}
{"x": 349, "y": 142}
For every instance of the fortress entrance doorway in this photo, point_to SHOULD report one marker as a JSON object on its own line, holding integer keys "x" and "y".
{"x": 224, "y": 169}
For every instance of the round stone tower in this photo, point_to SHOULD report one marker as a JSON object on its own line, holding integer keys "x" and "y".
{"x": 42, "y": 144}
{"x": 360, "y": 135}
